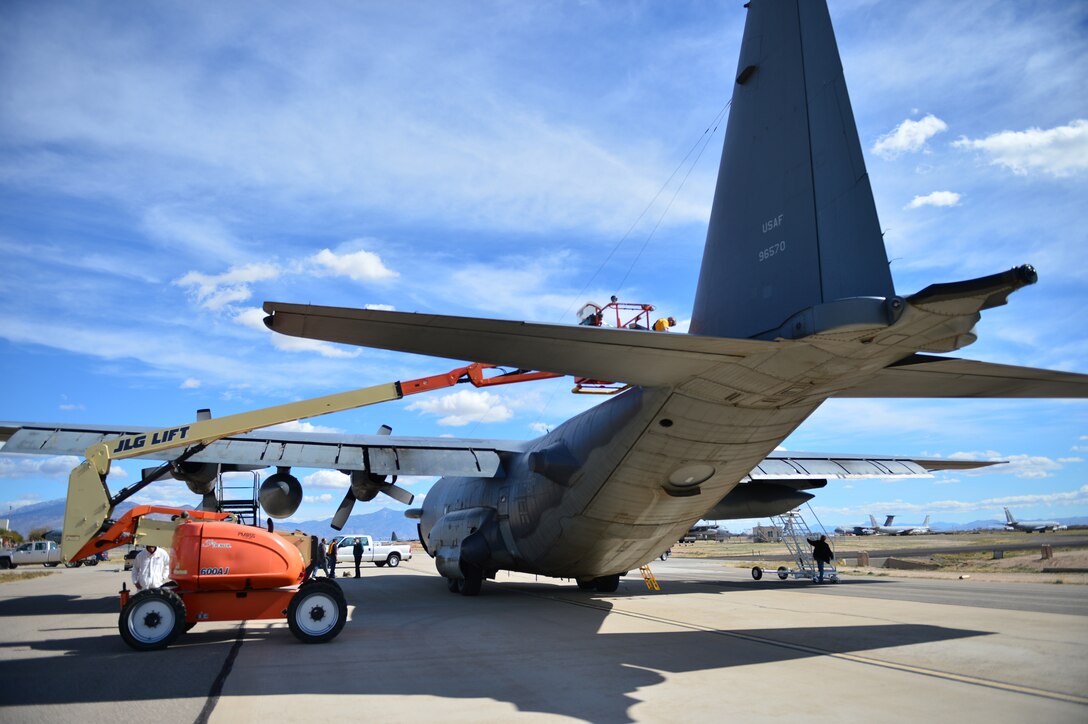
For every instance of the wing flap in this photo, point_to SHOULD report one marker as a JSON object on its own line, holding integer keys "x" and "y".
{"x": 928, "y": 376}
{"x": 623, "y": 355}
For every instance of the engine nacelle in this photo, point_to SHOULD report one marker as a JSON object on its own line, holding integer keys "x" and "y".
{"x": 199, "y": 477}
{"x": 280, "y": 494}
{"x": 759, "y": 499}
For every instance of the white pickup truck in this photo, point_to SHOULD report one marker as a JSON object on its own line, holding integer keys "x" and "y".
{"x": 39, "y": 552}
{"x": 377, "y": 553}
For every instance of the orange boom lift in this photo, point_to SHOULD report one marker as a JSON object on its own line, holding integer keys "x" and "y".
{"x": 222, "y": 570}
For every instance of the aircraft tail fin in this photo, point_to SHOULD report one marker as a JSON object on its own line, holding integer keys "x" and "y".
{"x": 1008, "y": 516}
{"x": 925, "y": 523}
{"x": 794, "y": 244}
{"x": 889, "y": 520}
{"x": 872, "y": 522}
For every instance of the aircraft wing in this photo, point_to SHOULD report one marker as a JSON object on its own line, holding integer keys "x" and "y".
{"x": 388, "y": 455}
{"x": 651, "y": 359}
{"x": 396, "y": 455}
{"x": 923, "y": 375}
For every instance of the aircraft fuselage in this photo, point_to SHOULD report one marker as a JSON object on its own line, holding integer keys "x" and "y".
{"x": 611, "y": 488}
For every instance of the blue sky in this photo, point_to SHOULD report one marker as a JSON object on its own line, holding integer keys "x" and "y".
{"x": 167, "y": 167}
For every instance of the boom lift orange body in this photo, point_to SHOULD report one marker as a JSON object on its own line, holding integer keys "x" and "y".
{"x": 224, "y": 571}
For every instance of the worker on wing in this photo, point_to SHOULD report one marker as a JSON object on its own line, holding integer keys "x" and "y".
{"x": 151, "y": 569}
{"x": 663, "y": 324}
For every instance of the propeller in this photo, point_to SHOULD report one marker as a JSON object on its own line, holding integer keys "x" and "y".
{"x": 365, "y": 486}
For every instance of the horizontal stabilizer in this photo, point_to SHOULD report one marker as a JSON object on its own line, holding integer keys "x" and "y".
{"x": 927, "y": 376}
{"x": 650, "y": 359}
{"x": 781, "y": 466}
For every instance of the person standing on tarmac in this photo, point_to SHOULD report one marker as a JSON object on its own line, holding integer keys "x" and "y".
{"x": 151, "y": 569}
{"x": 321, "y": 562}
{"x": 331, "y": 560}
{"x": 821, "y": 551}
{"x": 357, "y": 550}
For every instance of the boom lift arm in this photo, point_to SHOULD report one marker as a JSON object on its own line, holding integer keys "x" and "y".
{"x": 90, "y": 504}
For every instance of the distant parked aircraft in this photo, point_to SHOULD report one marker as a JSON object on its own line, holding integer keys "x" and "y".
{"x": 1031, "y": 526}
{"x": 889, "y": 529}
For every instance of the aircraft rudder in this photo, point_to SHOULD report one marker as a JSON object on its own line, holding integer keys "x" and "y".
{"x": 793, "y": 225}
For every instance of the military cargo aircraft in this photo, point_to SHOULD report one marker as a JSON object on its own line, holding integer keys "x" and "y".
{"x": 889, "y": 529}
{"x": 1031, "y": 526}
{"x": 794, "y": 305}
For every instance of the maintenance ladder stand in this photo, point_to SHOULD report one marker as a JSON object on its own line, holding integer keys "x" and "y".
{"x": 796, "y": 534}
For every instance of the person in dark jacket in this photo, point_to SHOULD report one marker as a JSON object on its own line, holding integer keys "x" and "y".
{"x": 322, "y": 553}
{"x": 821, "y": 551}
{"x": 357, "y": 550}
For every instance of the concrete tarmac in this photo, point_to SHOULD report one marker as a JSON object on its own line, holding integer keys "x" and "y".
{"x": 712, "y": 643}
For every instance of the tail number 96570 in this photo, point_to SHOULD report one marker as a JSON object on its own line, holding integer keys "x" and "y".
{"x": 771, "y": 250}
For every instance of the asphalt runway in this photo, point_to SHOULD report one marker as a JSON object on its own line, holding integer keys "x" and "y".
{"x": 713, "y": 642}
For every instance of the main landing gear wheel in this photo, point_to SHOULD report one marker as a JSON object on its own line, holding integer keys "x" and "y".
{"x": 757, "y": 572}
{"x": 318, "y": 611}
{"x": 607, "y": 584}
{"x": 586, "y": 584}
{"x": 783, "y": 573}
{"x": 451, "y": 585}
{"x": 152, "y": 619}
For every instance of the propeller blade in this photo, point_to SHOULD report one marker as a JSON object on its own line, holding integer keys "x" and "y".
{"x": 164, "y": 473}
{"x": 340, "y": 518}
{"x": 397, "y": 493}
{"x": 209, "y": 503}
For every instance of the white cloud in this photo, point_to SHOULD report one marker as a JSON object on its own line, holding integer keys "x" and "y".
{"x": 215, "y": 291}
{"x": 1059, "y": 151}
{"x": 1022, "y": 466}
{"x": 465, "y": 406}
{"x": 908, "y": 136}
{"x": 937, "y": 198}
{"x": 69, "y": 406}
{"x": 327, "y": 479}
{"x": 302, "y": 426}
{"x": 190, "y": 383}
{"x": 540, "y": 428}
{"x": 13, "y": 465}
{"x": 359, "y": 266}
{"x": 380, "y": 307}
{"x": 322, "y": 498}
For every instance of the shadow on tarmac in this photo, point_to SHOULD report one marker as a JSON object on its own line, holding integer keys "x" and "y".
{"x": 539, "y": 646}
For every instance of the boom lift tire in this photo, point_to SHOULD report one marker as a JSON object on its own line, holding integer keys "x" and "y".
{"x": 318, "y": 611}
{"x": 152, "y": 619}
